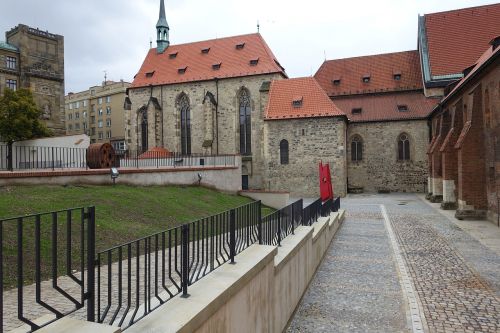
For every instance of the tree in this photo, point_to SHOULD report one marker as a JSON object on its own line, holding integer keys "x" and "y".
{"x": 19, "y": 119}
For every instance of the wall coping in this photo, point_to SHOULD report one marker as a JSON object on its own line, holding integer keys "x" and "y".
{"x": 99, "y": 172}
{"x": 291, "y": 244}
{"x": 319, "y": 226}
{"x": 187, "y": 314}
{"x": 264, "y": 192}
{"x": 72, "y": 325}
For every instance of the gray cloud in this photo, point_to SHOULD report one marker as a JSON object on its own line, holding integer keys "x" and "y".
{"x": 113, "y": 35}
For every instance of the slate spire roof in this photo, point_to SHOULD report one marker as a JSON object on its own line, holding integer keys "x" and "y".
{"x": 162, "y": 20}
{"x": 235, "y": 56}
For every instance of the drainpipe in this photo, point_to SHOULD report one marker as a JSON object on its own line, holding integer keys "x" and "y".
{"x": 217, "y": 113}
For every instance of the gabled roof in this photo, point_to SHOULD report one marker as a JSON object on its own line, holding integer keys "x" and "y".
{"x": 381, "y": 70}
{"x": 195, "y": 61}
{"x": 488, "y": 56}
{"x": 384, "y": 107}
{"x": 299, "y": 98}
{"x": 453, "y": 40}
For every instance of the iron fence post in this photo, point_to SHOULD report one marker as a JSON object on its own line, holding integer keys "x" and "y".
{"x": 232, "y": 235}
{"x": 91, "y": 264}
{"x": 184, "y": 259}
{"x": 279, "y": 228}
{"x": 259, "y": 222}
{"x": 293, "y": 219}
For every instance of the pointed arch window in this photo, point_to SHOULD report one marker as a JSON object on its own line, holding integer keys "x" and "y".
{"x": 403, "y": 147}
{"x": 245, "y": 123}
{"x": 284, "y": 151}
{"x": 185, "y": 113}
{"x": 356, "y": 149}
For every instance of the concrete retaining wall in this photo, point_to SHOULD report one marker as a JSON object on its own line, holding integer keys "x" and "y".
{"x": 272, "y": 199}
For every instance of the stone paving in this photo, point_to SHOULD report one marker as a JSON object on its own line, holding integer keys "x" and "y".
{"x": 456, "y": 278}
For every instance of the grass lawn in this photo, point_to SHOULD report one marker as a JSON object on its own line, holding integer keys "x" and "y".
{"x": 123, "y": 213}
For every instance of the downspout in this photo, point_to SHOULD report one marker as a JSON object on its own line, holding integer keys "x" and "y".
{"x": 217, "y": 114}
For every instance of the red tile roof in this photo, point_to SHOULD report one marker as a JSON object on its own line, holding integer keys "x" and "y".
{"x": 381, "y": 68}
{"x": 456, "y": 38}
{"x": 315, "y": 102}
{"x": 485, "y": 57}
{"x": 383, "y": 107}
{"x": 165, "y": 68}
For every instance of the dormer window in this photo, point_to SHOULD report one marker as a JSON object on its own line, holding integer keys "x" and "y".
{"x": 205, "y": 51}
{"x": 366, "y": 78}
{"x": 403, "y": 108}
{"x": 182, "y": 70}
{"x": 336, "y": 81}
{"x": 297, "y": 101}
{"x": 216, "y": 67}
{"x": 356, "y": 111}
{"x": 150, "y": 74}
{"x": 173, "y": 55}
{"x": 397, "y": 76}
{"x": 240, "y": 46}
{"x": 254, "y": 62}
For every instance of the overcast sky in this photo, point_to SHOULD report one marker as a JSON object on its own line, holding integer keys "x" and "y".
{"x": 114, "y": 35}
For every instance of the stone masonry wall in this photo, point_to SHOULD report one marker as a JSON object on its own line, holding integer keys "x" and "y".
{"x": 310, "y": 141}
{"x": 380, "y": 168}
{"x": 166, "y": 131}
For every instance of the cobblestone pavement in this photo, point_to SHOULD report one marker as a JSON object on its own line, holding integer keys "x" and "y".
{"x": 456, "y": 278}
{"x": 356, "y": 288}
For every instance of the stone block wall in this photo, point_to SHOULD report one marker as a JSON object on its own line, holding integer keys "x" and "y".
{"x": 310, "y": 141}
{"x": 380, "y": 168}
{"x": 164, "y": 124}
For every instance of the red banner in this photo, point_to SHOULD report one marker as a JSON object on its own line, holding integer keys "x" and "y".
{"x": 325, "y": 182}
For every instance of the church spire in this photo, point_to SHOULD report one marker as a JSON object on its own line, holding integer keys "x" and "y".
{"x": 162, "y": 30}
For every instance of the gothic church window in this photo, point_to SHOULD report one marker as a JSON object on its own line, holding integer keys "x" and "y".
{"x": 356, "y": 149}
{"x": 185, "y": 113}
{"x": 245, "y": 123}
{"x": 403, "y": 147}
{"x": 284, "y": 151}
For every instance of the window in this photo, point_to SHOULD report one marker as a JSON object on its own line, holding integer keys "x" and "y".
{"x": 77, "y": 126}
{"x": 77, "y": 105}
{"x": 70, "y": 127}
{"x": 284, "y": 151}
{"x": 397, "y": 76}
{"x": 336, "y": 81}
{"x": 92, "y": 119}
{"x": 77, "y": 115}
{"x": 99, "y": 100}
{"x": 240, "y": 46}
{"x": 100, "y": 111}
{"x": 216, "y": 67}
{"x": 85, "y": 126}
{"x": 254, "y": 62}
{"x": 108, "y": 109}
{"x": 205, "y": 51}
{"x": 185, "y": 112}
{"x": 108, "y": 99}
{"x": 172, "y": 55}
{"x": 84, "y": 114}
{"x": 150, "y": 74}
{"x": 356, "y": 149}
{"x": 356, "y": 111}
{"x": 11, "y": 84}
{"x": 403, "y": 147}
{"x": 92, "y": 92}
{"x": 99, "y": 124}
{"x": 93, "y": 130}
{"x": 297, "y": 102}
{"x": 84, "y": 103}
{"x": 70, "y": 106}
{"x": 108, "y": 122}
{"x": 70, "y": 116}
{"x": 366, "y": 78}
{"x": 182, "y": 70}
{"x": 93, "y": 108}
{"x": 108, "y": 134}
{"x": 245, "y": 123}
{"x": 101, "y": 136}
{"x": 402, "y": 108}
{"x": 10, "y": 62}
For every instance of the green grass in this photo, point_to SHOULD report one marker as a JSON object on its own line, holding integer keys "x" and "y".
{"x": 123, "y": 213}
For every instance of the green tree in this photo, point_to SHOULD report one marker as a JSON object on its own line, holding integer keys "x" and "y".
{"x": 19, "y": 119}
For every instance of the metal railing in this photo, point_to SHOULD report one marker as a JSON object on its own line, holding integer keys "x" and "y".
{"x": 123, "y": 284}
{"x": 35, "y": 157}
{"x": 41, "y": 246}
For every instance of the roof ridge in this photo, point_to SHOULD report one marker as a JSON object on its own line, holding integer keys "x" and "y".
{"x": 214, "y": 39}
{"x": 462, "y": 9}
{"x": 370, "y": 55}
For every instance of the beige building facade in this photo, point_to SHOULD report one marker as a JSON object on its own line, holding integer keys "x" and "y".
{"x": 34, "y": 59}
{"x": 99, "y": 113}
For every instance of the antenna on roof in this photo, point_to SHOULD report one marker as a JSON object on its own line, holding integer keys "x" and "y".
{"x": 150, "y": 43}
{"x": 105, "y": 76}
{"x": 258, "y": 26}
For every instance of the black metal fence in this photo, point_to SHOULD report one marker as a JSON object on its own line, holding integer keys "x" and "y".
{"x": 123, "y": 284}
{"x": 44, "y": 246}
{"x": 52, "y": 158}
